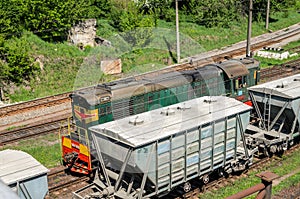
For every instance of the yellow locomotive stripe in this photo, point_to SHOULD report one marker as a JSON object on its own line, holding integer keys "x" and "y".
{"x": 86, "y": 115}
{"x": 67, "y": 142}
{"x": 83, "y": 150}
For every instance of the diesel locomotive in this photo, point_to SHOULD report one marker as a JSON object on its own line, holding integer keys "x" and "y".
{"x": 118, "y": 99}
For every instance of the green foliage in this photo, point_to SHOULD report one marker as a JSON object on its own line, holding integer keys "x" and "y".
{"x": 99, "y": 9}
{"x": 291, "y": 45}
{"x": 164, "y": 10}
{"x": 136, "y": 26}
{"x": 51, "y": 20}
{"x": 260, "y": 6}
{"x": 61, "y": 61}
{"x": 138, "y": 62}
{"x": 11, "y": 18}
{"x": 18, "y": 65}
{"x": 126, "y": 16}
{"x": 105, "y": 30}
{"x": 213, "y": 13}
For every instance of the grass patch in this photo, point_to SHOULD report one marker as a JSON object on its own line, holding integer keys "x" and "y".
{"x": 138, "y": 62}
{"x": 62, "y": 61}
{"x": 11, "y": 128}
{"x": 287, "y": 164}
{"x": 292, "y": 45}
{"x": 265, "y": 62}
{"x": 45, "y": 149}
{"x": 289, "y": 182}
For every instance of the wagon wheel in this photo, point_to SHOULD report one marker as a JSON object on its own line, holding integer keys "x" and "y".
{"x": 187, "y": 187}
{"x": 205, "y": 179}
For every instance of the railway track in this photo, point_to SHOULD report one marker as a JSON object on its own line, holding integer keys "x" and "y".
{"x": 65, "y": 182}
{"x": 280, "y": 71}
{"x": 254, "y": 45}
{"x": 295, "y": 49}
{"x": 50, "y": 126}
{"x": 224, "y": 181}
{"x": 58, "y": 179}
{"x": 34, "y": 104}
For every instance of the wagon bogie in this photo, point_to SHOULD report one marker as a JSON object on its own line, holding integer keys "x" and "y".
{"x": 155, "y": 152}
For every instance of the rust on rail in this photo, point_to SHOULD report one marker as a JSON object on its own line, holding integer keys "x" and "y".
{"x": 264, "y": 188}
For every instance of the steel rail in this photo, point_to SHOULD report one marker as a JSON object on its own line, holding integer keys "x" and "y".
{"x": 11, "y": 136}
{"x": 22, "y": 106}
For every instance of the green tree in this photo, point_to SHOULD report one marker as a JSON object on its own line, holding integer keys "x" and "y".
{"x": 129, "y": 18}
{"x": 16, "y": 64}
{"x": 213, "y": 12}
{"x": 11, "y": 16}
{"x": 161, "y": 9}
{"x": 260, "y": 6}
{"x": 99, "y": 9}
{"x": 51, "y": 20}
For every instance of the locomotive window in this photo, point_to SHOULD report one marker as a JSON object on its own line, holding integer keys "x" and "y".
{"x": 150, "y": 99}
{"x": 240, "y": 82}
{"x": 108, "y": 109}
{"x": 227, "y": 86}
{"x": 203, "y": 90}
{"x": 245, "y": 81}
{"x": 102, "y": 111}
{"x": 197, "y": 89}
{"x": 104, "y": 99}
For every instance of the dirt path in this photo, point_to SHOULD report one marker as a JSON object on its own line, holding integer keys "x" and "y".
{"x": 291, "y": 192}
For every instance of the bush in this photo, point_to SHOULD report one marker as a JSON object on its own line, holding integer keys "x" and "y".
{"x": 17, "y": 64}
{"x": 136, "y": 26}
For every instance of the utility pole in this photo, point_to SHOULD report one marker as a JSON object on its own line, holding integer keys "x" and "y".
{"x": 267, "y": 14}
{"x": 177, "y": 32}
{"x": 248, "y": 48}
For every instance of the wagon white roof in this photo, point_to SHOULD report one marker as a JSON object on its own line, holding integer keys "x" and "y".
{"x": 288, "y": 87}
{"x": 17, "y": 166}
{"x": 157, "y": 124}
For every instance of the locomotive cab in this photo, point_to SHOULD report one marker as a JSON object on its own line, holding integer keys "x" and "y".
{"x": 238, "y": 75}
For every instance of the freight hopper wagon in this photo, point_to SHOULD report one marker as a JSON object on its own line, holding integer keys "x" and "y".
{"x": 115, "y": 100}
{"x": 152, "y": 153}
{"x": 277, "y": 104}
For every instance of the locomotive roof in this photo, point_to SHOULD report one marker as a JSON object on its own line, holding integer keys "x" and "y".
{"x": 126, "y": 87}
{"x": 130, "y": 86}
{"x": 16, "y": 166}
{"x": 233, "y": 68}
{"x": 288, "y": 87}
{"x": 150, "y": 126}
